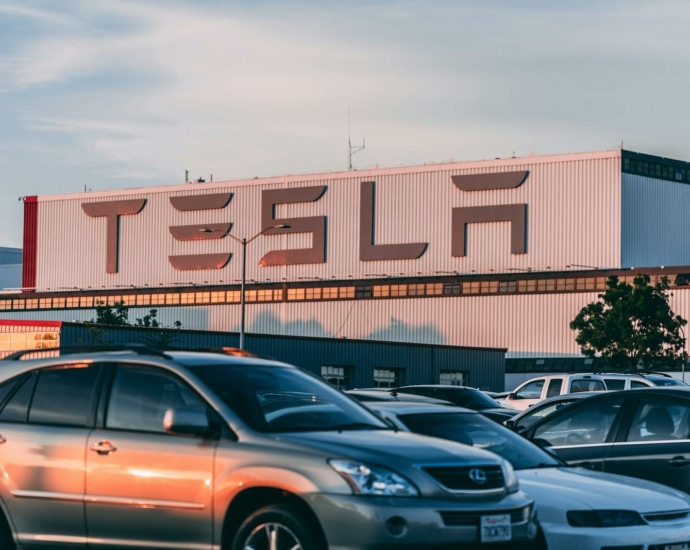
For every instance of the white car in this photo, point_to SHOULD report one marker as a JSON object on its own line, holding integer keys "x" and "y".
{"x": 576, "y": 508}
{"x": 535, "y": 390}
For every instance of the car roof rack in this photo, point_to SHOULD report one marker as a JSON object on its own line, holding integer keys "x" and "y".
{"x": 139, "y": 349}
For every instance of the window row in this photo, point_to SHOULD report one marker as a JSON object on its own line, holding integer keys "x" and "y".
{"x": 348, "y": 292}
{"x": 343, "y": 377}
{"x": 656, "y": 170}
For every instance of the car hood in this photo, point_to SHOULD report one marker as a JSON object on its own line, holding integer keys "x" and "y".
{"x": 577, "y": 489}
{"x": 386, "y": 447}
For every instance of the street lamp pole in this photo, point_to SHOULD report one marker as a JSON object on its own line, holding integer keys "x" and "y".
{"x": 244, "y": 242}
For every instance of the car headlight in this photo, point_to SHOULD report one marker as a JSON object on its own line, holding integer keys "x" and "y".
{"x": 604, "y": 518}
{"x": 512, "y": 483}
{"x": 374, "y": 480}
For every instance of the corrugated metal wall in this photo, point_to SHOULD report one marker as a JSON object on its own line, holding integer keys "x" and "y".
{"x": 527, "y": 325}
{"x": 655, "y": 222}
{"x": 10, "y": 276}
{"x": 11, "y": 256}
{"x": 573, "y": 218}
{"x": 421, "y": 364}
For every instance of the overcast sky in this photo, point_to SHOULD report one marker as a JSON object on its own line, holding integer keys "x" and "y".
{"x": 123, "y": 94}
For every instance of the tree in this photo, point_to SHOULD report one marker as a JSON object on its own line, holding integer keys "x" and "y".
{"x": 118, "y": 315}
{"x": 631, "y": 325}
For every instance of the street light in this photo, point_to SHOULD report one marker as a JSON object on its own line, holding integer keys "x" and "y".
{"x": 244, "y": 242}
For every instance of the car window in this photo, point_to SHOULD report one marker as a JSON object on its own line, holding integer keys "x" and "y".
{"x": 586, "y": 384}
{"x": 615, "y": 383}
{"x": 281, "y": 399}
{"x": 666, "y": 382}
{"x": 474, "y": 429}
{"x": 660, "y": 419}
{"x": 17, "y": 407}
{"x": 638, "y": 384}
{"x": 140, "y": 397}
{"x": 583, "y": 425}
{"x": 531, "y": 391}
{"x": 65, "y": 395}
{"x": 555, "y": 386}
{"x": 425, "y": 392}
{"x": 537, "y": 414}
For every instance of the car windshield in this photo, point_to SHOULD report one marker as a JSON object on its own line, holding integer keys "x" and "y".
{"x": 475, "y": 430}
{"x": 281, "y": 399}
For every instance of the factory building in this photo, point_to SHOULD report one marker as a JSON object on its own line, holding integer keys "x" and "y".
{"x": 499, "y": 253}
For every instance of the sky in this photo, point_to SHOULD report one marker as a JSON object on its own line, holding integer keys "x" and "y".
{"x": 110, "y": 94}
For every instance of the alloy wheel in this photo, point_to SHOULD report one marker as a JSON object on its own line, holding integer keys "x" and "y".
{"x": 272, "y": 536}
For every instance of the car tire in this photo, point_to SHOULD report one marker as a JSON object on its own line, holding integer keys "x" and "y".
{"x": 283, "y": 522}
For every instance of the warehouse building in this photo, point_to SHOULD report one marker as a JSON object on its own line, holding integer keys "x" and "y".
{"x": 500, "y": 253}
{"x": 344, "y": 363}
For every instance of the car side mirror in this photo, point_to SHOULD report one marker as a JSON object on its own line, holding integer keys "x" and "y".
{"x": 512, "y": 395}
{"x": 186, "y": 421}
{"x": 510, "y": 424}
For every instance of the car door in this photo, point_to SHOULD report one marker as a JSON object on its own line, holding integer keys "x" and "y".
{"x": 144, "y": 487}
{"x": 582, "y": 433}
{"x": 537, "y": 413}
{"x": 527, "y": 394}
{"x": 655, "y": 443}
{"x": 44, "y": 426}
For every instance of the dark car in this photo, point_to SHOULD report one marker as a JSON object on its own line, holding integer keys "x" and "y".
{"x": 642, "y": 433}
{"x": 462, "y": 396}
{"x": 388, "y": 395}
{"x": 524, "y": 419}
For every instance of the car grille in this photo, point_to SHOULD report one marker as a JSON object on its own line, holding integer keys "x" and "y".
{"x": 467, "y": 478}
{"x": 472, "y": 519}
{"x": 666, "y": 516}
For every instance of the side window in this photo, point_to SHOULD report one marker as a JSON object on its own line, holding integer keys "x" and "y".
{"x": 615, "y": 383}
{"x": 586, "y": 385}
{"x": 637, "y": 384}
{"x": 583, "y": 425}
{"x": 529, "y": 419}
{"x": 555, "y": 386}
{"x": 65, "y": 395}
{"x": 17, "y": 407}
{"x": 660, "y": 419}
{"x": 140, "y": 397}
{"x": 531, "y": 390}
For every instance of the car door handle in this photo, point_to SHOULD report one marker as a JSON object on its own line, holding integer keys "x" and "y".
{"x": 679, "y": 461}
{"x": 103, "y": 447}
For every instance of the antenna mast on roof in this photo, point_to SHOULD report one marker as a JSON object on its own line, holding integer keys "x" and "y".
{"x": 350, "y": 149}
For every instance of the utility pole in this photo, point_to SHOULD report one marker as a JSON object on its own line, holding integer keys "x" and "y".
{"x": 351, "y": 150}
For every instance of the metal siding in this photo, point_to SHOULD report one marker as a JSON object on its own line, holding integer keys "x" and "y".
{"x": 573, "y": 218}
{"x": 655, "y": 222}
{"x": 527, "y": 325}
{"x": 421, "y": 364}
{"x": 10, "y": 276}
{"x": 10, "y": 256}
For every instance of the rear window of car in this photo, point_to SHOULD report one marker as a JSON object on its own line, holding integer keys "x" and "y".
{"x": 615, "y": 383}
{"x": 663, "y": 381}
{"x": 586, "y": 384}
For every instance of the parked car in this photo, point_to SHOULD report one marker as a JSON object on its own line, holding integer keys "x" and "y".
{"x": 577, "y": 508}
{"x": 630, "y": 381}
{"x": 537, "y": 389}
{"x": 150, "y": 449}
{"x": 523, "y": 420}
{"x": 641, "y": 433}
{"x": 462, "y": 396}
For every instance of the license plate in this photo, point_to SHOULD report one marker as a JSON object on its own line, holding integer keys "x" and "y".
{"x": 496, "y": 528}
{"x": 681, "y": 546}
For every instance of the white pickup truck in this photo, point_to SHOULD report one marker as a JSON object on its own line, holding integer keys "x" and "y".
{"x": 536, "y": 389}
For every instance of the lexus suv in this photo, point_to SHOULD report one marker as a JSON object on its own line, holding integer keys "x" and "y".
{"x": 151, "y": 449}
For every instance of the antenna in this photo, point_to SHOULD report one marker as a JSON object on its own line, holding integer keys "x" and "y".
{"x": 350, "y": 149}
{"x": 186, "y": 176}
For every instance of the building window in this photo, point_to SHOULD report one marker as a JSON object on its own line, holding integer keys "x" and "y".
{"x": 347, "y": 292}
{"x": 86, "y": 301}
{"x": 158, "y": 299}
{"x": 489, "y": 287}
{"x": 398, "y": 290}
{"x": 217, "y": 297}
{"x": 203, "y": 297}
{"x": 59, "y": 302}
{"x": 382, "y": 291}
{"x": 452, "y": 288}
{"x": 330, "y": 293}
{"x": 470, "y": 288}
{"x": 112, "y": 300}
{"x": 129, "y": 300}
{"x": 32, "y": 304}
{"x": 340, "y": 377}
{"x": 434, "y": 289}
{"x": 5, "y": 304}
{"x": 452, "y": 378}
{"x": 296, "y": 294}
{"x": 363, "y": 292}
{"x": 387, "y": 378}
{"x": 507, "y": 286}
{"x": 187, "y": 298}
{"x": 313, "y": 294}
{"x": 233, "y": 296}
{"x": 251, "y": 295}
{"x": 72, "y": 301}
{"x": 172, "y": 299}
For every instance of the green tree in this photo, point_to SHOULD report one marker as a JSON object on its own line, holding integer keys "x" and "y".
{"x": 631, "y": 325}
{"x": 118, "y": 315}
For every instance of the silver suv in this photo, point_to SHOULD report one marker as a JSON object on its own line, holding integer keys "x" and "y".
{"x": 190, "y": 450}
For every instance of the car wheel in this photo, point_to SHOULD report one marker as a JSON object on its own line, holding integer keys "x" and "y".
{"x": 276, "y": 527}
{"x": 6, "y": 539}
